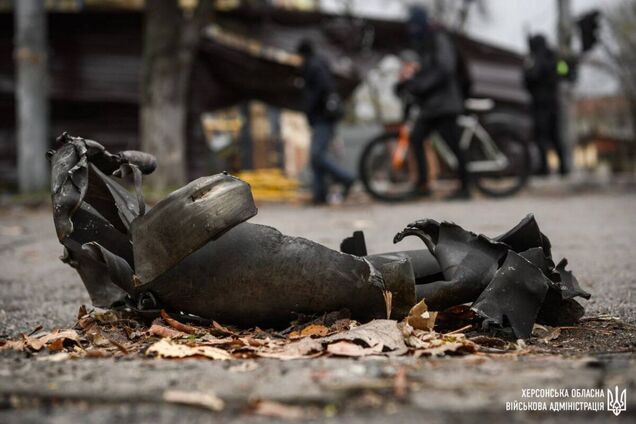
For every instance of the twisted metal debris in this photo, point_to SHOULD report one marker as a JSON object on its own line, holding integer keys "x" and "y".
{"x": 195, "y": 254}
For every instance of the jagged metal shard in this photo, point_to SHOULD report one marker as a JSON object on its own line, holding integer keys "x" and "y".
{"x": 467, "y": 261}
{"x": 511, "y": 279}
{"x": 512, "y": 301}
{"x": 195, "y": 253}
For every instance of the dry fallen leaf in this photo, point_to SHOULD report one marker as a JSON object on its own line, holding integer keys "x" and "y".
{"x": 444, "y": 345}
{"x": 17, "y": 345}
{"x": 176, "y": 324}
{"x": 420, "y": 318}
{"x": 311, "y": 330}
{"x": 165, "y": 348}
{"x": 161, "y": 331}
{"x": 342, "y": 325}
{"x": 37, "y": 343}
{"x": 303, "y": 348}
{"x": 380, "y": 333}
{"x": 278, "y": 410}
{"x": 223, "y": 329}
{"x": 205, "y": 400}
{"x": 545, "y": 333}
{"x": 431, "y": 343}
{"x": 345, "y": 348}
{"x": 552, "y": 335}
{"x": 56, "y": 345}
{"x": 54, "y": 340}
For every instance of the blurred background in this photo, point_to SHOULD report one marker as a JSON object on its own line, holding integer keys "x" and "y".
{"x": 208, "y": 86}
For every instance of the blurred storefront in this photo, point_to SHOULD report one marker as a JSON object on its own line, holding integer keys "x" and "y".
{"x": 245, "y": 97}
{"x": 606, "y": 134}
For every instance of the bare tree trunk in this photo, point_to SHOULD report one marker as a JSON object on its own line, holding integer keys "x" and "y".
{"x": 170, "y": 41}
{"x": 32, "y": 114}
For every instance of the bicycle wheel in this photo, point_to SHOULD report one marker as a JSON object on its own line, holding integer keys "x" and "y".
{"x": 379, "y": 177}
{"x": 512, "y": 178}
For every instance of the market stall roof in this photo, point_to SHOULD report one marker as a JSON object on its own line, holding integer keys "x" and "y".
{"x": 257, "y": 44}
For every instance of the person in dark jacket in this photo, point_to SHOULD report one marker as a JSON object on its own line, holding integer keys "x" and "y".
{"x": 318, "y": 91}
{"x": 541, "y": 81}
{"x": 435, "y": 87}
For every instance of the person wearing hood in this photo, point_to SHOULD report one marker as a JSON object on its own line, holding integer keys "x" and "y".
{"x": 433, "y": 85}
{"x": 541, "y": 81}
{"x": 323, "y": 109}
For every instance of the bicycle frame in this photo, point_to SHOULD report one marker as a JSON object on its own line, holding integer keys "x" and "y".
{"x": 472, "y": 129}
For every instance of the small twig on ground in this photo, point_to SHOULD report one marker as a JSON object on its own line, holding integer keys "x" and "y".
{"x": 460, "y": 330}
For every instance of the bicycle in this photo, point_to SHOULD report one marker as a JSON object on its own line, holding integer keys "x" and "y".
{"x": 498, "y": 158}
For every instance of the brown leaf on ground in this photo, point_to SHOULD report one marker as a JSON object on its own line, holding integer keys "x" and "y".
{"x": 223, "y": 329}
{"x": 37, "y": 343}
{"x": 346, "y": 348}
{"x": 431, "y": 343}
{"x": 165, "y": 348}
{"x": 456, "y": 344}
{"x": 201, "y": 399}
{"x": 303, "y": 348}
{"x": 176, "y": 324}
{"x": 317, "y": 330}
{"x": 104, "y": 334}
{"x": 420, "y": 318}
{"x": 210, "y": 340}
{"x": 380, "y": 333}
{"x": 161, "y": 331}
{"x": 56, "y": 345}
{"x": 273, "y": 409}
{"x": 546, "y": 333}
{"x": 17, "y": 345}
{"x": 342, "y": 325}
{"x": 552, "y": 335}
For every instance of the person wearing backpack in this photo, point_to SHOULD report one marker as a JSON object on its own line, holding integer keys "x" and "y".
{"x": 323, "y": 108}
{"x": 434, "y": 84}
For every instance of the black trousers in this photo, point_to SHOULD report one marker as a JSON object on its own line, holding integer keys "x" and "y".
{"x": 447, "y": 127}
{"x": 547, "y": 135}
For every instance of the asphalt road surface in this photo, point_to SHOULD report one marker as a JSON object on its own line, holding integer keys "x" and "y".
{"x": 596, "y": 231}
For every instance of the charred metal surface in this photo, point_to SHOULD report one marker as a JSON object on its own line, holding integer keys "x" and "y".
{"x": 511, "y": 279}
{"x": 188, "y": 219}
{"x": 253, "y": 274}
{"x": 195, "y": 254}
{"x": 468, "y": 262}
{"x": 354, "y": 245}
{"x": 426, "y": 269}
{"x": 512, "y": 301}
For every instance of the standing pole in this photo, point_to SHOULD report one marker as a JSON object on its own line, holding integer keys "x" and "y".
{"x": 567, "y": 111}
{"x": 31, "y": 94}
